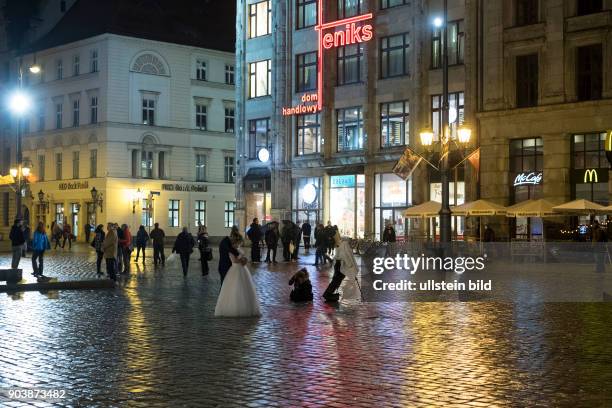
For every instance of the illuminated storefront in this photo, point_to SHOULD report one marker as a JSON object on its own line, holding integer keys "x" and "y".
{"x": 347, "y": 204}
{"x": 257, "y": 191}
{"x": 307, "y": 199}
{"x": 392, "y": 196}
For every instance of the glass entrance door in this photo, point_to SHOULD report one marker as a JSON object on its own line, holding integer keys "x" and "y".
{"x": 347, "y": 204}
{"x": 75, "y": 219}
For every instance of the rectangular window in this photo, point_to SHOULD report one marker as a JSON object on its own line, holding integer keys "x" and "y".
{"x": 526, "y": 12}
{"x": 147, "y": 213}
{"x": 589, "y": 6}
{"x": 201, "y": 70}
{"x": 306, "y": 72}
{"x": 41, "y": 167}
{"x": 94, "y": 110}
{"x": 201, "y": 117}
{"x": 260, "y": 78}
{"x": 200, "y": 167}
{"x": 75, "y": 164}
{"x": 59, "y": 213}
{"x": 173, "y": 213}
{"x": 308, "y": 134}
{"x": 230, "y": 207}
{"x": 59, "y": 69}
{"x": 350, "y": 129}
{"x": 456, "y": 44}
{"x": 148, "y": 111}
{"x": 76, "y": 107}
{"x": 394, "y": 55}
{"x": 200, "y": 213}
{"x": 260, "y": 19}
{"x": 349, "y": 8}
{"x": 349, "y": 64}
{"x": 59, "y": 113}
{"x": 259, "y": 131}
{"x": 589, "y": 74}
{"x": 394, "y": 124}
{"x": 392, "y": 3}
{"x": 146, "y": 164}
{"x": 526, "y": 156}
{"x": 58, "y": 166}
{"x": 93, "y": 65}
{"x": 161, "y": 165}
{"x": 76, "y": 65}
{"x": 306, "y": 13}
{"x": 456, "y": 112}
{"x": 93, "y": 163}
{"x": 527, "y": 80}
{"x": 229, "y": 120}
{"x": 41, "y": 117}
{"x": 229, "y": 175}
{"x": 229, "y": 74}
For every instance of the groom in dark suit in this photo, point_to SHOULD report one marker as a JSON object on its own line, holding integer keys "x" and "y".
{"x": 225, "y": 249}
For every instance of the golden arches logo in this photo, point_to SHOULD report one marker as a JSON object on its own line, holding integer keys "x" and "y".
{"x": 609, "y": 141}
{"x": 591, "y": 176}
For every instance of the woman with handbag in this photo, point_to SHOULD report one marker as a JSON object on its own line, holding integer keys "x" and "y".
{"x": 205, "y": 249}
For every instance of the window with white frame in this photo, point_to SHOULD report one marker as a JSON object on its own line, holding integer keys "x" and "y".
{"x": 59, "y": 69}
{"x": 200, "y": 116}
{"x": 260, "y": 19}
{"x": 174, "y": 213}
{"x": 148, "y": 110}
{"x": 230, "y": 208}
{"x": 260, "y": 78}
{"x": 230, "y": 117}
{"x": 200, "y": 213}
{"x": 59, "y": 113}
{"x": 308, "y": 134}
{"x": 229, "y": 174}
{"x": 76, "y": 65}
{"x": 93, "y": 117}
{"x": 93, "y": 163}
{"x": 229, "y": 74}
{"x": 146, "y": 164}
{"x": 201, "y": 70}
{"x": 58, "y": 166}
{"x": 75, "y": 164}
{"x": 200, "y": 167}
{"x": 76, "y": 107}
{"x": 93, "y": 62}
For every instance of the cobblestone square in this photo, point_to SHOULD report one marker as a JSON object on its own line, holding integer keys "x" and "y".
{"x": 153, "y": 342}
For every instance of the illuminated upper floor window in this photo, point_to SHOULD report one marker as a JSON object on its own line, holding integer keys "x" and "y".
{"x": 260, "y": 19}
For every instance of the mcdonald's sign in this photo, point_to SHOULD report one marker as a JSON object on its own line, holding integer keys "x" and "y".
{"x": 608, "y": 146}
{"x": 591, "y": 176}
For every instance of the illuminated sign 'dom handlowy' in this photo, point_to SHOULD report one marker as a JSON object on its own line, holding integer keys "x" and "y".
{"x": 351, "y": 34}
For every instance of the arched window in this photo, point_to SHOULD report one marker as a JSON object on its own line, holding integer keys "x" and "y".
{"x": 149, "y": 64}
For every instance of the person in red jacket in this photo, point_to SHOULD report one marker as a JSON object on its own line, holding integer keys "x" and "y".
{"x": 126, "y": 247}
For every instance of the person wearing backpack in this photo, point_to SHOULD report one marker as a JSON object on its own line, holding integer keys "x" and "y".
{"x": 99, "y": 236}
{"x": 40, "y": 243}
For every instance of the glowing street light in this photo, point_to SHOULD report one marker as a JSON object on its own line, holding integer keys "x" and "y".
{"x": 35, "y": 69}
{"x": 464, "y": 134}
{"x": 427, "y": 137}
{"x": 19, "y": 103}
{"x": 437, "y": 22}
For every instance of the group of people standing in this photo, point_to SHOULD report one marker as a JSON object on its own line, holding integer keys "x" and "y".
{"x": 20, "y": 240}
{"x": 290, "y": 235}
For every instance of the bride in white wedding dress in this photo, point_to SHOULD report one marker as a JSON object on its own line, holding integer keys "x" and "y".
{"x": 238, "y": 297}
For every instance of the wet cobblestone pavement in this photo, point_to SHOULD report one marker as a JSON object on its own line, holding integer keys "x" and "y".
{"x": 153, "y": 342}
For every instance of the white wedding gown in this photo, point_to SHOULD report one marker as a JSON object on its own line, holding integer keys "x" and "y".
{"x": 238, "y": 297}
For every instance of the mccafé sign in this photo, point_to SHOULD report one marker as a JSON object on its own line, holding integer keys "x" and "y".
{"x": 348, "y": 31}
{"x": 533, "y": 178}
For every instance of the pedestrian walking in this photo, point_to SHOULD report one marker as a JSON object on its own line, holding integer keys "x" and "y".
{"x": 17, "y": 238}
{"x": 99, "y": 236}
{"x": 142, "y": 238}
{"x": 320, "y": 244}
{"x": 56, "y": 233}
{"x": 40, "y": 243}
{"x": 184, "y": 247}
{"x": 306, "y": 231}
{"x": 255, "y": 235}
{"x": 158, "y": 235}
{"x": 67, "y": 233}
{"x": 126, "y": 247}
{"x": 272, "y": 235}
{"x": 87, "y": 230}
{"x": 109, "y": 249}
{"x": 205, "y": 249}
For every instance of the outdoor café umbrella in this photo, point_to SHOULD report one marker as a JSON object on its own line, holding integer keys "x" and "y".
{"x": 479, "y": 208}
{"x": 580, "y": 207}
{"x": 430, "y": 209}
{"x": 532, "y": 208}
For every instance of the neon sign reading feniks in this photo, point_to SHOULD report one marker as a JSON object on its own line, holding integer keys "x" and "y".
{"x": 352, "y": 33}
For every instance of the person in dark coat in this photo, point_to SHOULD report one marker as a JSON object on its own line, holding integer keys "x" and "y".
{"x": 87, "y": 230}
{"x": 389, "y": 234}
{"x": 329, "y": 233}
{"x": 99, "y": 236}
{"x": 302, "y": 288}
{"x": 255, "y": 235}
{"x": 184, "y": 247}
{"x": 17, "y": 238}
{"x": 320, "y": 244}
{"x": 489, "y": 234}
{"x": 286, "y": 238}
{"x": 205, "y": 249}
{"x": 142, "y": 238}
{"x": 306, "y": 231}
{"x": 158, "y": 235}
{"x": 225, "y": 249}
{"x": 297, "y": 238}
{"x": 272, "y": 236}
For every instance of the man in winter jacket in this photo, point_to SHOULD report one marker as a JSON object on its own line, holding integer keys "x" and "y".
{"x": 17, "y": 238}
{"x": 255, "y": 235}
{"x": 158, "y": 235}
{"x": 272, "y": 236}
{"x": 306, "y": 231}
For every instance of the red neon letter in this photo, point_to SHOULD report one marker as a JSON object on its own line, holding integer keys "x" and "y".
{"x": 366, "y": 32}
{"x": 339, "y": 38}
{"x": 328, "y": 41}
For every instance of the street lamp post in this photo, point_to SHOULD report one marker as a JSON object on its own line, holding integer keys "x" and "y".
{"x": 445, "y": 212}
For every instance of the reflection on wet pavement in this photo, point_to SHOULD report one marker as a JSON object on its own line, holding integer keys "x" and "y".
{"x": 154, "y": 342}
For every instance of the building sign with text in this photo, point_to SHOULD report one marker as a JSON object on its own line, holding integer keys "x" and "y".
{"x": 348, "y": 31}
{"x": 531, "y": 178}
{"x": 185, "y": 187}
{"x": 591, "y": 176}
{"x": 76, "y": 185}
